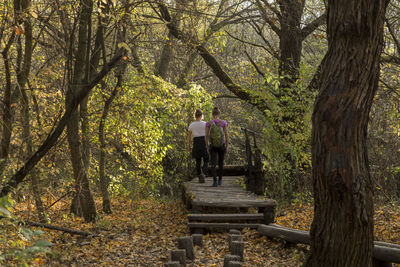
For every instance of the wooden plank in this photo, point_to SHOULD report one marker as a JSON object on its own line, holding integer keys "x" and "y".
{"x": 226, "y": 217}
{"x": 239, "y": 203}
{"x": 223, "y": 225}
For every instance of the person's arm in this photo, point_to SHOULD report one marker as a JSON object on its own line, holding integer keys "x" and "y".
{"x": 207, "y": 135}
{"x": 226, "y": 137}
{"x": 190, "y": 140}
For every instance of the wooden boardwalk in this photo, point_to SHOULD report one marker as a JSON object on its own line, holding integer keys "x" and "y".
{"x": 230, "y": 194}
{"x": 229, "y": 197}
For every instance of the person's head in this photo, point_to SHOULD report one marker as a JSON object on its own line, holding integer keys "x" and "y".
{"x": 216, "y": 112}
{"x": 198, "y": 114}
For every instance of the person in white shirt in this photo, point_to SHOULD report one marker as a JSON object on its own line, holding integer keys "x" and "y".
{"x": 197, "y": 130}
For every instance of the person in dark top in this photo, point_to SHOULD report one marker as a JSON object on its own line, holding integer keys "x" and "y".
{"x": 217, "y": 142}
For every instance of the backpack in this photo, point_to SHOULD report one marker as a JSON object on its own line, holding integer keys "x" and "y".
{"x": 216, "y": 134}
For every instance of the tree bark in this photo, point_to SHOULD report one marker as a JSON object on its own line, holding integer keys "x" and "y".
{"x": 342, "y": 229}
{"x": 83, "y": 203}
{"x": 167, "y": 54}
{"x": 290, "y": 41}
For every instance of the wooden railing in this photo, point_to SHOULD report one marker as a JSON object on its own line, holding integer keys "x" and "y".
{"x": 255, "y": 179}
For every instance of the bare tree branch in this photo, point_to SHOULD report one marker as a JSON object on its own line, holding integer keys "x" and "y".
{"x": 258, "y": 30}
{"x": 272, "y": 8}
{"x": 266, "y": 18}
{"x": 211, "y": 61}
{"x": 309, "y": 28}
{"x": 262, "y": 74}
{"x": 247, "y": 42}
{"x": 390, "y": 59}
{"x": 396, "y": 41}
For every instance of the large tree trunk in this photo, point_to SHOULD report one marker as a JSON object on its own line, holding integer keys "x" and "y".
{"x": 342, "y": 230}
{"x": 83, "y": 203}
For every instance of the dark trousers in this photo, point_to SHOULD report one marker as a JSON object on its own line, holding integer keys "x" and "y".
{"x": 217, "y": 152}
{"x": 199, "y": 152}
{"x": 199, "y": 169}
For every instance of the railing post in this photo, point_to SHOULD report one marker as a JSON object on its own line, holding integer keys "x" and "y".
{"x": 255, "y": 180}
{"x": 249, "y": 181}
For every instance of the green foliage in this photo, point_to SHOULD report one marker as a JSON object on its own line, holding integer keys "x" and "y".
{"x": 177, "y": 162}
{"x": 287, "y": 135}
{"x": 18, "y": 244}
{"x": 146, "y": 131}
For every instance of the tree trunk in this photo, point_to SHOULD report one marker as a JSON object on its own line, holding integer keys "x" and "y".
{"x": 83, "y": 201}
{"x": 342, "y": 230}
{"x": 83, "y": 106}
{"x": 290, "y": 41}
{"x": 167, "y": 54}
{"x": 7, "y": 119}
{"x": 22, "y": 77}
{"x": 102, "y": 161}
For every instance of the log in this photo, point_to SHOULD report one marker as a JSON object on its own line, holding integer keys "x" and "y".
{"x": 198, "y": 240}
{"x": 233, "y": 238}
{"x": 229, "y": 258}
{"x": 223, "y": 225}
{"x": 386, "y": 254}
{"x": 49, "y": 226}
{"x": 382, "y": 251}
{"x": 287, "y": 234}
{"x": 179, "y": 255}
{"x": 385, "y": 244}
{"x": 186, "y": 243}
{"x": 235, "y": 264}
{"x": 172, "y": 264}
{"x": 237, "y": 248}
{"x": 226, "y": 217}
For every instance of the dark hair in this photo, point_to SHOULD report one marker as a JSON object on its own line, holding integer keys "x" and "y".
{"x": 198, "y": 113}
{"x": 216, "y": 111}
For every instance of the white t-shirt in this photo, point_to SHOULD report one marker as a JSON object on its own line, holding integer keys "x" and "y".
{"x": 198, "y": 128}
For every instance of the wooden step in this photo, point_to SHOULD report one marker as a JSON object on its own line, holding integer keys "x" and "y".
{"x": 226, "y": 217}
{"x": 197, "y": 225}
{"x": 235, "y": 203}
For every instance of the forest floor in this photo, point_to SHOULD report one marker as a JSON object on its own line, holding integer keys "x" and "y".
{"x": 142, "y": 233}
